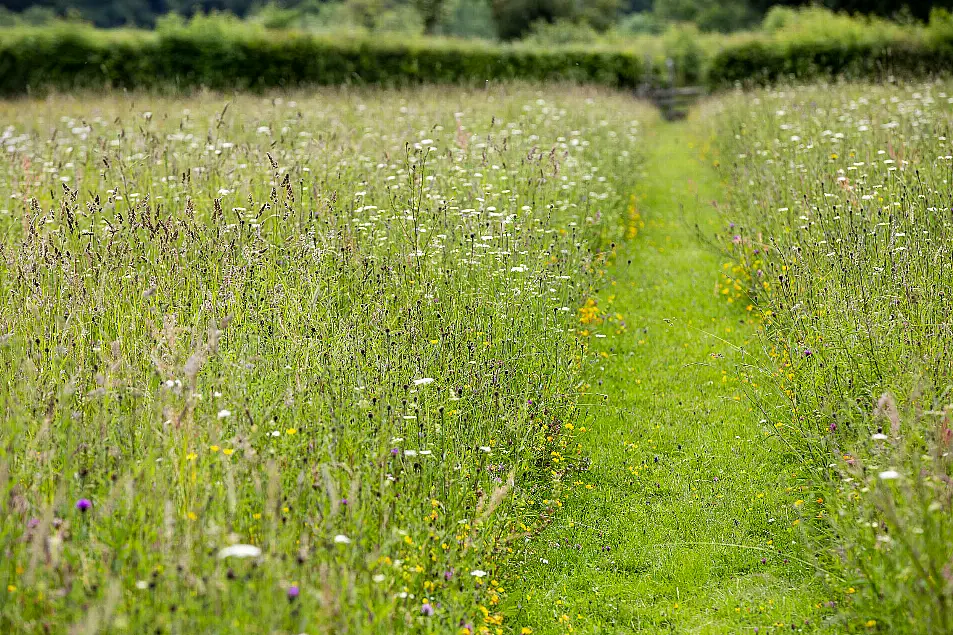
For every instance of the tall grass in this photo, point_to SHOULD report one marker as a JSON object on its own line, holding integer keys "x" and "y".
{"x": 335, "y": 329}
{"x": 840, "y": 228}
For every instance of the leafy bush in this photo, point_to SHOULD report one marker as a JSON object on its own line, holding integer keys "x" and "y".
{"x": 682, "y": 47}
{"x": 515, "y": 18}
{"x": 470, "y": 19}
{"x": 816, "y": 43}
{"x": 708, "y": 15}
{"x": 226, "y": 53}
{"x": 216, "y": 54}
{"x": 561, "y": 32}
{"x": 641, "y": 23}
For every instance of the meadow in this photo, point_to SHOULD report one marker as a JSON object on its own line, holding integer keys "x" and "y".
{"x": 839, "y": 226}
{"x": 296, "y": 363}
{"x": 517, "y": 359}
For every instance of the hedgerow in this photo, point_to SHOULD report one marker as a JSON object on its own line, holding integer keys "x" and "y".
{"x": 70, "y": 58}
{"x": 823, "y": 45}
{"x": 227, "y": 54}
{"x": 764, "y": 63}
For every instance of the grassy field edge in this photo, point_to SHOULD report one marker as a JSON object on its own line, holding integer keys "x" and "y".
{"x": 684, "y": 516}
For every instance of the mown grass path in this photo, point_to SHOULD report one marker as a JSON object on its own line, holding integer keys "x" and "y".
{"x": 691, "y": 523}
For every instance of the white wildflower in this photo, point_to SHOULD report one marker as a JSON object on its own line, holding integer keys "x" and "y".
{"x": 240, "y": 551}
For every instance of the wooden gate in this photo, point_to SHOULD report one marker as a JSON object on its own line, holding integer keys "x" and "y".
{"x": 673, "y": 101}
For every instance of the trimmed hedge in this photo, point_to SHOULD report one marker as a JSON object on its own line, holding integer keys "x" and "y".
{"x": 764, "y": 63}
{"x": 66, "y": 58}
{"x": 33, "y": 60}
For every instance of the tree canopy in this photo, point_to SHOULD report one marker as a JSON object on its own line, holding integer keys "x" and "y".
{"x": 513, "y": 18}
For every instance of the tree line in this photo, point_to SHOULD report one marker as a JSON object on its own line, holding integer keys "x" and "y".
{"x": 513, "y": 18}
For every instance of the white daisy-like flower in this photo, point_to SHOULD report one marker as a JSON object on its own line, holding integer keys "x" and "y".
{"x": 478, "y": 573}
{"x": 341, "y": 539}
{"x": 224, "y": 413}
{"x": 240, "y": 551}
{"x": 889, "y": 475}
{"x": 880, "y": 437}
{"x": 423, "y": 381}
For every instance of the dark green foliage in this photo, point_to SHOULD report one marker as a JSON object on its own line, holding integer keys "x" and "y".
{"x": 917, "y": 8}
{"x": 515, "y": 18}
{"x": 65, "y": 59}
{"x": 708, "y": 15}
{"x": 761, "y": 63}
{"x": 432, "y": 11}
{"x": 112, "y": 13}
{"x": 223, "y": 55}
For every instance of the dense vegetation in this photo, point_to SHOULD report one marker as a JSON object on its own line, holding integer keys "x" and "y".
{"x": 225, "y": 53}
{"x": 292, "y": 364}
{"x": 840, "y": 229}
{"x": 482, "y": 18}
{"x": 363, "y": 361}
{"x": 207, "y": 53}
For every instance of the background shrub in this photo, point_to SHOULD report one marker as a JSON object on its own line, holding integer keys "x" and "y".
{"x": 226, "y": 53}
{"x": 214, "y": 54}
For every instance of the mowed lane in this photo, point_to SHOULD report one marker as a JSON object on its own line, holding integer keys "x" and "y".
{"x": 687, "y": 518}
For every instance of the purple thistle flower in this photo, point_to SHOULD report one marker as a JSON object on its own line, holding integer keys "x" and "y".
{"x": 447, "y": 575}
{"x": 426, "y": 610}
{"x": 344, "y": 501}
{"x": 293, "y": 592}
{"x": 833, "y": 427}
{"x": 395, "y": 451}
{"x": 33, "y": 523}
{"x": 84, "y": 504}
{"x": 807, "y": 352}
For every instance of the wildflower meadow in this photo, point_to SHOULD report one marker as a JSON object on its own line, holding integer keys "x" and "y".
{"x": 296, "y": 363}
{"x": 500, "y": 358}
